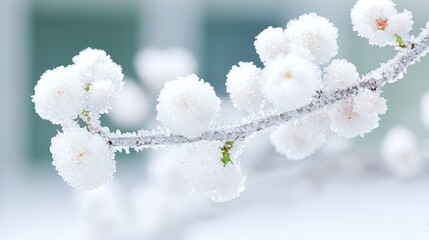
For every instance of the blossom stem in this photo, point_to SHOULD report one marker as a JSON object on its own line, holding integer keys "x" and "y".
{"x": 87, "y": 119}
{"x": 400, "y": 41}
{"x": 387, "y": 72}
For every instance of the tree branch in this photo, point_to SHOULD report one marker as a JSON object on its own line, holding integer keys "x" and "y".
{"x": 387, "y": 72}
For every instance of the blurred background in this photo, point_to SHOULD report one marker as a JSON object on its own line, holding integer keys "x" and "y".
{"x": 343, "y": 191}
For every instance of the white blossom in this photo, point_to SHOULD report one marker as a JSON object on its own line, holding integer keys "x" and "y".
{"x": 340, "y": 74}
{"x": 399, "y": 150}
{"x": 271, "y": 43}
{"x": 243, "y": 86}
{"x": 301, "y": 138}
{"x": 59, "y": 95}
{"x": 370, "y": 102}
{"x": 424, "y": 110}
{"x": 290, "y": 81}
{"x": 187, "y": 106}
{"x": 103, "y": 79}
{"x": 358, "y": 115}
{"x": 131, "y": 106}
{"x": 82, "y": 159}
{"x": 379, "y": 21}
{"x": 156, "y": 66}
{"x": 206, "y": 174}
{"x": 102, "y": 94}
{"x": 316, "y": 35}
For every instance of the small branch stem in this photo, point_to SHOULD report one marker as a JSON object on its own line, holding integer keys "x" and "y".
{"x": 387, "y": 72}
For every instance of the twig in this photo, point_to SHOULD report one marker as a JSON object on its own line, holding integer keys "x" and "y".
{"x": 387, "y": 72}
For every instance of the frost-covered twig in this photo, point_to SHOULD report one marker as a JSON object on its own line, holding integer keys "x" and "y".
{"x": 306, "y": 102}
{"x": 387, "y": 72}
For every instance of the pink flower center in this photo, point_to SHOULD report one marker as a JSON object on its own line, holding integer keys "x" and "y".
{"x": 381, "y": 24}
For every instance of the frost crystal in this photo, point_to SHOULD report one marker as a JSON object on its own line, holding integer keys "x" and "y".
{"x": 315, "y": 34}
{"x": 82, "y": 159}
{"x": 205, "y": 173}
{"x": 187, "y": 106}
{"x": 59, "y": 95}
{"x": 290, "y": 82}
{"x": 379, "y": 21}
{"x": 399, "y": 151}
{"x": 301, "y": 138}
{"x": 340, "y": 74}
{"x": 243, "y": 86}
{"x": 103, "y": 79}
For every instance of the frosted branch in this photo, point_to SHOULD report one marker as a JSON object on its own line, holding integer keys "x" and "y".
{"x": 387, "y": 72}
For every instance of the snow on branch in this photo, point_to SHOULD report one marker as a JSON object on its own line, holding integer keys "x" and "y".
{"x": 298, "y": 94}
{"x": 387, "y": 73}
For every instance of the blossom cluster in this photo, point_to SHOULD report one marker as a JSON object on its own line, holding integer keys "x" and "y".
{"x": 298, "y": 65}
{"x": 85, "y": 89}
{"x": 296, "y": 68}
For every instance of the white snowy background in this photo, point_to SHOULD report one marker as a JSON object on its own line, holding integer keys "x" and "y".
{"x": 344, "y": 191}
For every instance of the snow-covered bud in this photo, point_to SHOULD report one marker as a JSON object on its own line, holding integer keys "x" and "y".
{"x": 243, "y": 86}
{"x": 156, "y": 66}
{"x": 103, "y": 79}
{"x": 379, "y": 21}
{"x": 290, "y": 82}
{"x": 340, "y": 74}
{"x": 399, "y": 151}
{"x": 301, "y": 138}
{"x": 82, "y": 159}
{"x": 271, "y": 43}
{"x": 314, "y": 34}
{"x": 206, "y": 174}
{"x": 358, "y": 115}
{"x": 59, "y": 95}
{"x": 187, "y": 106}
